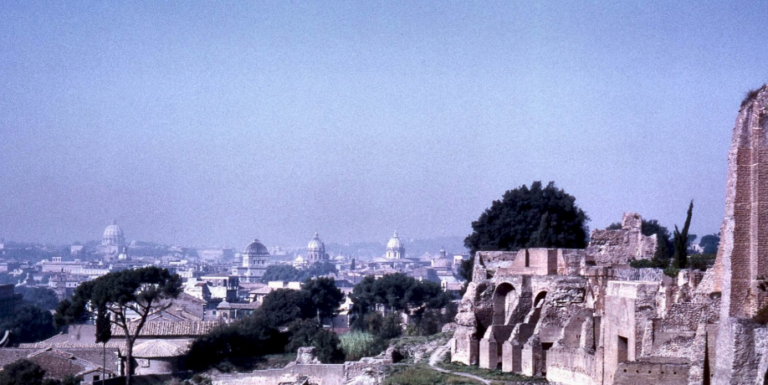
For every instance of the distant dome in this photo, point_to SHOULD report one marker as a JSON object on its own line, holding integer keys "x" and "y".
{"x": 394, "y": 243}
{"x": 395, "y": 249}
{"x": 315, "y": 244}
{"x": 256, "y": 248}
{"x": 316, "y": 250}
{"x": 113, "y": 236}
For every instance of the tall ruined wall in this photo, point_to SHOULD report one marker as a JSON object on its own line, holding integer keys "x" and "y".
{"x": 744, "y": 234}
{"x": 629, "y": 309}
{"x": 743, "y": 253}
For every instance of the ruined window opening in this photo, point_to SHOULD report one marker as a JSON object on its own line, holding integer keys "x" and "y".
{"x": 527, "y": 259}
{"x": 623, "y": 349}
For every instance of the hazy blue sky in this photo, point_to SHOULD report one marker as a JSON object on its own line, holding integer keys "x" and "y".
{"x": 211, "y": 123}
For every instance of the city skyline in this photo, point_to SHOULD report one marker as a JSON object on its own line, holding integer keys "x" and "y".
{"x": 204, "y": 124}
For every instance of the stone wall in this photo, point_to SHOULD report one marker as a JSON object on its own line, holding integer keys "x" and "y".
{"x": 640, "y": 372}
{"x": 534, "y": 261}
{"x": 618, "y": 247}
{"x": 573, "y": 366}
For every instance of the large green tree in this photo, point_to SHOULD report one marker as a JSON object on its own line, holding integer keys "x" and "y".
{"x": 396, "y": 293}
{"x": 138, "y": 291}
{"x": 29, "y": 323}
{"x": 282, "y": 306}
{"x": 530, "y": 217}
{"x": 324, "y": 295}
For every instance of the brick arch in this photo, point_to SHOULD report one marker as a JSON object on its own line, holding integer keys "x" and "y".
{"x": 503, "y": 297}
{"x": 538, "y": 300}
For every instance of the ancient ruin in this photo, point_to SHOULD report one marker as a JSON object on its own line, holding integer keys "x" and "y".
{"x": 586, "y": 317}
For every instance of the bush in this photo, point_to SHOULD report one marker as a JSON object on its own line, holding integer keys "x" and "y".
{"x": 702, "y": 261}
{"x": 310, "y": 333}
{"x": 301, "y": 334}
{"x": 671, "y": 271}
{"x": 384, "y": 327}
{"x": 357, "y": 345}
{"x": 327, "y": 347}
{"x": 645, "y": 263}
{"x": 749, "y": 96}
{"x": 24, "y": 372}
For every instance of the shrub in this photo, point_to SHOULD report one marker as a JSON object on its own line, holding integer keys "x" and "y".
{"x": 702, "y": 261}
{"x": 357, "y": 345}
{"x": 750, "y": 95}
{"x": 327, "y": 346}
{"x": 671, "y": 271}
{"x": 648, "y": 263}
{"x": 384, "y": 327}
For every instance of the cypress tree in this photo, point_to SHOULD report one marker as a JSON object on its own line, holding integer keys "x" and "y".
{"x": 681, "y": 241}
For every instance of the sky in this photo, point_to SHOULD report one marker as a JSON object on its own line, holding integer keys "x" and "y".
{"x": 213, "y": 123}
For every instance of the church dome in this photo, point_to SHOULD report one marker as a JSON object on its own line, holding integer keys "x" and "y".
{"x": 256, "y": 248}
{"x": 113, "y": 235}
{"x": 394, "y": 243}
{"x": 315, "y": 244}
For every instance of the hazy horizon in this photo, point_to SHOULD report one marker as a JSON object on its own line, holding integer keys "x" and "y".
{"x": 215, "y": 123}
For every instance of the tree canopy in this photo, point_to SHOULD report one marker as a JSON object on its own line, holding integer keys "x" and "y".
{"x": 324, "y": 294}
{"x": 290, "y": 273}
{"x": 28, "y": 323}
{"x": 41, "y": 297}
{"x": 286, "y": 320}
{"x": 139, "y": 291}
{"x": 310, "y": 333}
{"x": 709, "y": 243}
{"x": 26, "y": 372}
{"x": 398, "y": 293}
{"x": 282, "y": 306}
{"x": 530, "y": 217}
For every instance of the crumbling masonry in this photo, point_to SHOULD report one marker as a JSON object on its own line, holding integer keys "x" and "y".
{"x": 586, "y": 317}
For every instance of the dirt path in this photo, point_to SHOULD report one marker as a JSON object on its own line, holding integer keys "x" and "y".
{"x": 437, "y": 355}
